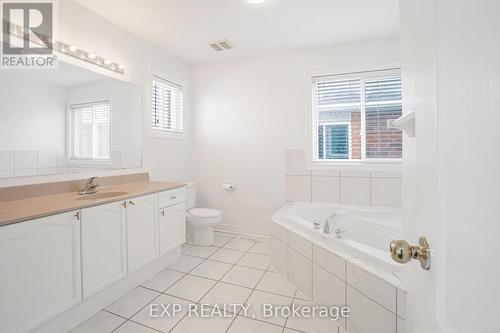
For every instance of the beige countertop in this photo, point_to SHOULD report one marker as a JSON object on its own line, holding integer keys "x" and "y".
{"x": 31, "y": 208}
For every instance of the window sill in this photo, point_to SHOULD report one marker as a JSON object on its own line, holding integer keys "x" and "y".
{"x": 394, "y": 166}
{"x": 166, "y": 135}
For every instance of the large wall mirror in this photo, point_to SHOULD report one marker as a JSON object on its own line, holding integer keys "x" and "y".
{"x": 68, "y": 120}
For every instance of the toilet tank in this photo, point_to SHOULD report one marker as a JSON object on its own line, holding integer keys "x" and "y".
{"x": 190, "y": 195}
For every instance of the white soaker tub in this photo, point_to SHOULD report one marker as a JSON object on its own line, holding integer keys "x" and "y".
{"x": 369, "y": 230}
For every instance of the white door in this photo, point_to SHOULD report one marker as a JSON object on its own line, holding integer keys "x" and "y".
{"x": 451, "y": 173}
{"x": 142, "y": 231}
{"x": 172, "y": 227}
{"x": 39, "y": 271}
{"x": 104, "y": 252}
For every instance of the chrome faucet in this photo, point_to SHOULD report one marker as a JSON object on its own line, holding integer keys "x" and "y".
{"x": 90, "y": 186}
{"x": 331, "y": 224}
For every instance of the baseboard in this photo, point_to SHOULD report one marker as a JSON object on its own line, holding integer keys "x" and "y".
{"x": 87, "y": 308}
{"x": 242, "y": 230}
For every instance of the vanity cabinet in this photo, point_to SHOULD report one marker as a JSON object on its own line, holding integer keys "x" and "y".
{"x": 104, "y": 247}
{"x": 40, "y": 275}
{"x": 172, "y": 227}
{"x": 142, "y": 231}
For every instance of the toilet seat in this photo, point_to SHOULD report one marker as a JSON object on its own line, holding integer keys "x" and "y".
{"x": 204, "y": 212}
{"x": 200, "y": 225}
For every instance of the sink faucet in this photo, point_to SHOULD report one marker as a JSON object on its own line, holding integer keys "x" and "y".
{"x": 90, "y": 186}
{"x": 331, "y": 222}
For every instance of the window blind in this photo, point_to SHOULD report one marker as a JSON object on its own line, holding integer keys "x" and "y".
{"x": 166, "y": 105}
{"x": 91, "y": 130}
{"x": 338, "y": 114}
{"x": 352, "y": 113}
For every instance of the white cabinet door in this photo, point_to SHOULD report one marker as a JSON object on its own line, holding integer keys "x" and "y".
{"x": 104, "y": 252}
{"x": 142, "y": 231}
{"x": 172, "y": 227}
{"x": 39, "y": 271}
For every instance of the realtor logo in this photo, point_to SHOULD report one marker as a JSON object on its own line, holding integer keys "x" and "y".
{"x": 27, "y": 32}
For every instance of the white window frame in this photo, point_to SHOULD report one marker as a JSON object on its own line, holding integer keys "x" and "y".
{"x": 81, "y": 161}
{"x": 312, "y": 151}
{"x": 148, "y": 115}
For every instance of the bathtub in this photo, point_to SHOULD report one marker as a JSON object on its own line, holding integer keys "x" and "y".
{"x": 369, "y": 230}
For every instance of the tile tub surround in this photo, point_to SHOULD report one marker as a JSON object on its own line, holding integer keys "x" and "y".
{"x": 340, "y": 185}
{"x": 22, "y": 203}
{"x": 197, "y": 279}
{"x": 377, "y": 298}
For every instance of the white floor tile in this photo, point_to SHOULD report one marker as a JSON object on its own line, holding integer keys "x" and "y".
{"x": 261, "y": 248}
{"x": 243, "y": 276}
{"x": 276, "y": 283}
{"x": 313, "y": 324}
{"x": 272, "y": 269}
{"x": 211, "y": 269}
{"x": 255, "y": 260}
{"x": 132, "y": 302}
{"x": 227, "y": 255}
{"x": 228, "y": 294}
{"x": 163, "y": 280}
{"x": 130, "y": 327}
{"x": 191, "y": 287}
{"x": 192, "y": 324}
{"x": 185, "y": 264}
{"x": 221, "y": 239}
{"x": 288, "y": 330}
{"x": 259, "y": 298}
{"x": 152, "y": 315}
{"x": 102, "y": 322}
{"x": 246, "y": 325}
{"x": 185, "y": 247}
{"x": 240, "y": 244}
{"x": 201, "y": 251}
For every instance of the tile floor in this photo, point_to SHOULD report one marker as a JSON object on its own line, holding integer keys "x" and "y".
{"x": 236, "y": 270}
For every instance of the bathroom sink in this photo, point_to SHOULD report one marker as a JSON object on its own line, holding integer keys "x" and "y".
{"x": 100, "y": 195}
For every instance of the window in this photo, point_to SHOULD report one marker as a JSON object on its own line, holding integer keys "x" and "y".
{"x": 166, "y": 106}
{"x": 352, "y": 114}
{"x": 91, "y": 130}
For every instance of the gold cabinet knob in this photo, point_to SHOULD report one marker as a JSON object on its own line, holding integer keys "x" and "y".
{"x": 402, "y": 252}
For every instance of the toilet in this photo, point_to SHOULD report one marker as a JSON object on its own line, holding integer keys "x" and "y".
{"x": 199, "y": 221}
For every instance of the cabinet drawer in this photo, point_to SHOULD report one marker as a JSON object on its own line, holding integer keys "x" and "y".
{"x": 172, "y": 197}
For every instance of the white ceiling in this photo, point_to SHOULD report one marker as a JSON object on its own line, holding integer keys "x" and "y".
{"x": 186, "y": 27}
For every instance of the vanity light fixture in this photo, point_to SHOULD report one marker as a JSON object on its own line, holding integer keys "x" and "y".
{"x": 72, "y": 51}
{"x": 89, "y": 57}
{"x": 256, "y": 2}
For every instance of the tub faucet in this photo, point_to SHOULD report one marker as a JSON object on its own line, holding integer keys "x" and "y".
{"x": 331, "y": 222}
{"x": 90, "y": 186}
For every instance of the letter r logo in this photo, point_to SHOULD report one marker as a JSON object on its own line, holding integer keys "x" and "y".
{"x": 27, "y": 28}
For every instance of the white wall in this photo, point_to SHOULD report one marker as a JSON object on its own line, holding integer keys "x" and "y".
{"x": 249, "y": 111}
{"x": 126, "y": 131}
{"x": 166, "y": 159}
{"x": 32, "y": 115}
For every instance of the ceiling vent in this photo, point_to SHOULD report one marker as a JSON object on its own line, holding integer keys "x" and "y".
{"x": 221, "y": 45}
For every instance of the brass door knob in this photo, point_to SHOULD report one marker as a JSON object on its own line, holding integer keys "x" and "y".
{"x": 402, "y": 252}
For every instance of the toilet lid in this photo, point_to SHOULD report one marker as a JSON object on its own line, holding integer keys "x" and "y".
{"x": 205, "y": 212}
